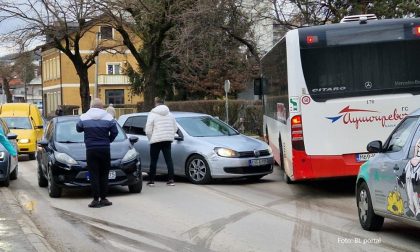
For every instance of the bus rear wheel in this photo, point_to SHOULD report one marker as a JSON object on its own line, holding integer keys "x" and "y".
{"x": 287, "y": 179}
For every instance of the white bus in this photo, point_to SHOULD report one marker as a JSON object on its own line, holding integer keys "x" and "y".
{"x": 329, "y": 90}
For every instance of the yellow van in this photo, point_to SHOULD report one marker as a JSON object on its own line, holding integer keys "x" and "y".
{"x": 24, "y": 119}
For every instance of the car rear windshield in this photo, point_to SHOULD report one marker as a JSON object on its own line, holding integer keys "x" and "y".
{"x": 18, "y": 122}
{"x": 350, "y": 63}
{"x": 205, "y": 126}
{"x": 65, "y": 132}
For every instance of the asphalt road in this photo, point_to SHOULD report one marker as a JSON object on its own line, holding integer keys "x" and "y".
{"x": 228, "y": 215}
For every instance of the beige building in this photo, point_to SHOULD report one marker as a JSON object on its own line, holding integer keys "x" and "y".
{"x": 60, "y": 80}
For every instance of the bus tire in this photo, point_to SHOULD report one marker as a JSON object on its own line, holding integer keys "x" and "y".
{"x": 287, "y": 179}
{"x": 267, "y": 141}
{"x": 281, "y": 153}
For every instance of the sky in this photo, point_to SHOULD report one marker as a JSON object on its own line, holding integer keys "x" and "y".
{"x": 6, "y": 26}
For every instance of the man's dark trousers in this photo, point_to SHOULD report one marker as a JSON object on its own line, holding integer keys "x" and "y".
{"x": 99, "y": 163}
{"x": 155, "y": 149}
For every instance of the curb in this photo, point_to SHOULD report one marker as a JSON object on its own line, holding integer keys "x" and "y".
{"x": 33, "y": 234}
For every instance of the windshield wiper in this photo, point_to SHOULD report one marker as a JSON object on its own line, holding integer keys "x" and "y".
{"x": 67, "y": 141}
{"x": 17, "y": 128}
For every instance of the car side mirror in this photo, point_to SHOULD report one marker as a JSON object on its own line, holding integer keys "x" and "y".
{"x": 133, "y": 139}
{"x": 179, "y": 137}
{"x": 374, "y": 146}
{"x": 43, "y": 143}
{"x": 11, "y": 136}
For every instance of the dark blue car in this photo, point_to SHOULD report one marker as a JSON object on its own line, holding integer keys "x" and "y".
{"x": 61, "y": 159}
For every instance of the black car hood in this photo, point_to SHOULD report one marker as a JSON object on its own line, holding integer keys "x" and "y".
{"x": 78, "y": 150}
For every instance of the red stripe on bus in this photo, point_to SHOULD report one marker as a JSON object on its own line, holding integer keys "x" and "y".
{"x": 314, "y": 167}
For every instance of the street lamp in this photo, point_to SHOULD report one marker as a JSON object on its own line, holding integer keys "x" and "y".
{"x": 95, "y": 91}
{"x": 227, "y": 88}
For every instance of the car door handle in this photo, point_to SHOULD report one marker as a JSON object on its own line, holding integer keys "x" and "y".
{"x": 396, "y": 168}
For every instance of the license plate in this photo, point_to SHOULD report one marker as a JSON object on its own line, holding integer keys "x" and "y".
{"x": 258, "y": 162}
{"x": 111, "y": 175}
{"x": 362, "y": 157}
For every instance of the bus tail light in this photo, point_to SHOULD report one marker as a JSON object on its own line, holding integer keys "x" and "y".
{"x": 297, "y": 133}
{"x": 311, "y": 39}
{"x": 416, "y": 30}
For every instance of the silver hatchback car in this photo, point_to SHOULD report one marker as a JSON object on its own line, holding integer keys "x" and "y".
{"x": 388, "y": 184}
{"x": 204, "y": 148}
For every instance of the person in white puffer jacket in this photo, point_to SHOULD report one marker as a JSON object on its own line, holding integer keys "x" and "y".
{"x": 160, "y": 130}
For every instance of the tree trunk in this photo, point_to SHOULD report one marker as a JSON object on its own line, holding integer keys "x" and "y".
{"x": 150, "y": 89}
{"x": 6, "y": 87}
{"x": 84, "y": 88}
{"x": 149, "y": 95}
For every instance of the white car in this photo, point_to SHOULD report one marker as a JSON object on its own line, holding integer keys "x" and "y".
{"x": 388, "y": 184}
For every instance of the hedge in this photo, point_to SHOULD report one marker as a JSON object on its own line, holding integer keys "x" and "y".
{"x": 250, "y": 111}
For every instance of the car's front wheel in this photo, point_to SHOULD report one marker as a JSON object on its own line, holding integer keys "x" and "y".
{"x": 53, "y": 189}
{"x": 197, "y": 170}
{"x": 367, "y": 217}
{"x": 32, "y": 156}
{"x": 14, "y": 174}
{"x": 42, "y": 181}
{"x": 137, "y": 187}
{"x": 6, "y": 181}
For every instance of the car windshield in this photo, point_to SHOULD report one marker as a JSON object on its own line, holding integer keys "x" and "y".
{"x": 65, "y": 132}
{"x": 205, "y": 126}
{"x": 18, "y": 122}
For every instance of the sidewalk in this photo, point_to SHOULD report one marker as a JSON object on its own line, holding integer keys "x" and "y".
{"x": 17, "y": 231}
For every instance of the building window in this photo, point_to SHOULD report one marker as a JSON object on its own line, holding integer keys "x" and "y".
{"x": 114, "y": 96}
{"x": 106, "y": 32}
{"x": 113, "y": 68}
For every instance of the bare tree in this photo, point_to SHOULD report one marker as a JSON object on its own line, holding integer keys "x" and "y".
{"x": 60, "y": 24}
{"x": 213, "y": 42}
{"x": 297, "y": 13}
{"x": 144, "y": 26}
{"x": 7, "y": 74}
{"x": 16, "y": 66}
{"x": 193, "y": 45}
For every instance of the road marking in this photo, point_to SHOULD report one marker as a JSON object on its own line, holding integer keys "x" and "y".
{"x": 317, "y": 226}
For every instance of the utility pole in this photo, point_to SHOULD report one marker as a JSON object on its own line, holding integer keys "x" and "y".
{"x": 95, "y": 91}
{"x": 227, "y": 88}
{"x": 24, "y": 83}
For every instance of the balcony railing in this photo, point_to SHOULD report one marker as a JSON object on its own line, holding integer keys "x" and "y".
{"x": 113, "y": 79}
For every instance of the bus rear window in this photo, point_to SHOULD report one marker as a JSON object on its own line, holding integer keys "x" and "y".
{"x": 362, "y": 69}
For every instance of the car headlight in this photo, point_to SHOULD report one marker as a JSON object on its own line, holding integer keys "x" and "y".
{"x": 224, "y": 152}
{"x": 2, "y": 155}
{"x": 130, "y": 155}
{"x": 24, "y": 140}
{"x": 64, "y": 158}
{"x": 270, "y": 150}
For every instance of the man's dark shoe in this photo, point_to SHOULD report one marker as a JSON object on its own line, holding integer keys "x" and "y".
{"x": 94, "y": 204}
{"x": 151, "y": 183}
{"x": 170, "y": 183}
{"x": 105, "y": 202}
